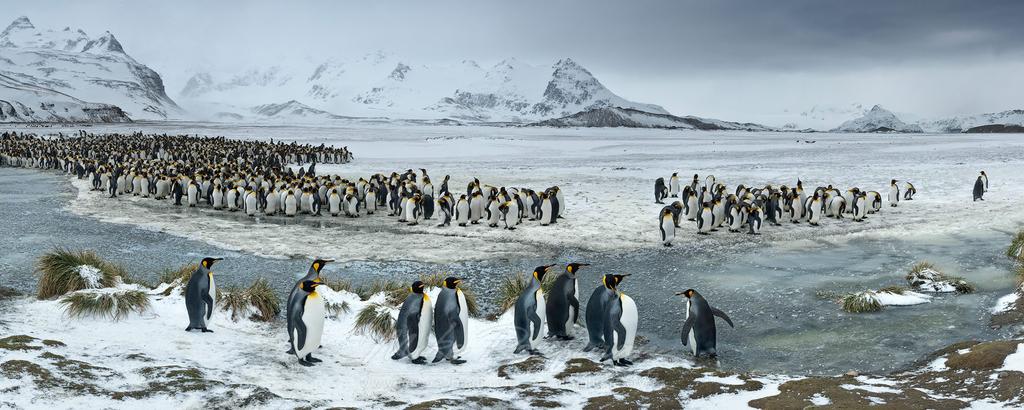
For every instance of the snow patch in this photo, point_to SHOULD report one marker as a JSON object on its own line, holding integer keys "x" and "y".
{"x": 91, "y": 274}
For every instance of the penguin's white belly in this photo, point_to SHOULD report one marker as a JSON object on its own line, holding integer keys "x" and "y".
{"x": 570, "y": 326}
{"x": 629, "y": 319}
{"x": 669, "y": 227}
{"x": 335, "y": 204}
{"x": 423, "y": 329}
{"x": 213, "y": 295}
{"x": 289, "y": 205}
{"x": 250, "y": 205}
{"x": 464, "y": 319}
{"x": 542, "y": 312}
{"x": 545, "y": 210}
{"x": 193, "y": 195}
{"x": 313, "y": 317}
{"x": 410, "y": 209}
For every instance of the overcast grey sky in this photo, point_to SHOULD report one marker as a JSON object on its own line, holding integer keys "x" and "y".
{"x": 726, "y": 59}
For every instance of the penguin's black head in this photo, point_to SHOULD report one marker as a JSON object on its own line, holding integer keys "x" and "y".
{"x": 982, "y": 172}
{"x": 893, "y": 182}
{"x": 318, "y": 264}
{"x": 417, "y": 287}
{"x": 452, "y": 282}
{"x": 208, "y": 262}
{"x": 612, "y": 281}
{"x": 575, "y": 267}
{"x": 540, "y": 271}
{"x": 689, "y": 293}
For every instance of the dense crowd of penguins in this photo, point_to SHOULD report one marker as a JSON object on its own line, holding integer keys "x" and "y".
{"x": 256, "y": 178}
{"x": 712, "y": 205}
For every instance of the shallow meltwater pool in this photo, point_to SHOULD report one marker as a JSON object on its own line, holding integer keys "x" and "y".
{"x": 781, "y": 296}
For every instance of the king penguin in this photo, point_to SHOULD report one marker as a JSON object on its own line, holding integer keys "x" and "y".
{"x": 563, "y": 303}
{"x": 620, "y": 325}
{"x": 596, "y": 308}
{"x": 451, "y": 322}
{"x": 979, "y": 189}
{"x": 413, "y": 325}
{"x": 529, "y": 310}
{"x": 201, "y": 295}
{"x": 699, "y": 332}
{"x": 307, "y": 318}
{"x": 668, "y": 227}
{"x": 295, "y": 294}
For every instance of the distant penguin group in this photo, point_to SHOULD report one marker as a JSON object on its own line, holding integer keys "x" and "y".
{"x": 711, "y": 205}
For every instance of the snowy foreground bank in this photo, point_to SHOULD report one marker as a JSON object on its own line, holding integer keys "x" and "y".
{"x": 50, "y": 361}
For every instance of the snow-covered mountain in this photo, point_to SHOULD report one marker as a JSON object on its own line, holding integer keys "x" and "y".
{"x": 21, "y": 102}
{"x": 293, "y": 111}
{"x": 965, "y": 122}
{"x": 383, "y": 85}
{"x": 877, "y": 119}
{"x": 71, "y": 71}
{"x": 631, "y": 118}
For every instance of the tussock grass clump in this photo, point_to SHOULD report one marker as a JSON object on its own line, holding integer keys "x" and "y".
{"x": 375, "y": 321}
{"x": 114, "y": 304}
{"x": 896, "y": 290}
{"x": 62, "y": 271}
{"x": 335, "y": 309}
{"x": 925, "y": 277}
{"x": 337, "y": 284}
{"x": 861, "y": 302}
{"x": 513, "y": 285}
{"x": 258, "y": 301}
{"x": 387, "y": 286}
{"x": 1016, "y": 249}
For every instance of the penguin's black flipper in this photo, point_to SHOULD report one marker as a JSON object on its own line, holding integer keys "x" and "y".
{"x": 687, "y": 326}
{"x": 575, "y": 303}
{"x": 209, "y": 304}
{"x": 300, "y": 338}
{"x": 722, "y": 315}
{"x": 535, "y": 319}
{"x": 460, "y": 334}
{"x": 621, "y": 330}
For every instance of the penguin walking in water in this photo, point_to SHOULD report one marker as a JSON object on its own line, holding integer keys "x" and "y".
{"x": 563, "y": 303}
{"x": 413, "y": 325}
{"x": 894, "y": 193}
{"x": 699, "y": 331}
{"x": 979, "y": 189}
{"x": 597, "y": 306}
{"x": 307, "y": 318}
{"x": 451, "y": 322}
{"x": 530, "y": 310}
{"x": 660, "y": 191}
{"x": 667, "y": 226}
{"x": 201, "y": 295}
{"x": 313, "y": 274}
{"x": 621, "y": 319}
{"x": 984, "y": 178}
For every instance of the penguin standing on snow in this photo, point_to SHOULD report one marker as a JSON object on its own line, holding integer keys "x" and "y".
{"x": 563, "y": 303}
{"x": 894, "y": 193}
{"x": 705, "y": 220}
{"x": 597, "y": 306}
{"x": 462, "y": 211}
{"x": 754, "y": 220}
{"x": 621, "y": 319}
{"x": 201, "y": 295}
{"x": 673, "y": 185}
{"x": 413, "y": 325}
{"x": 909, "y": 191}
{"x": 307, "y": 318}
{"x": 699, "y": 331}
{"x": 979, "y": 189}
{"x": 530, "y": 310}
{"x": 660, "y": 191}
{"x": 445, "y": 208}
{"x": 451, "y": 322}
{"x": 667, "y": 226}
{"x": 984, "y": 178}
{"x": 313, "y": 274}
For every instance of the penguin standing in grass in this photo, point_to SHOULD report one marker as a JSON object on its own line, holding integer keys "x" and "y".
{"x": 413, "y": 325}
{"x": 296, "y": 293}
{"x": 621, "y": 319}
{"x": 201, "y": 295}
{"x": 530, "y": 313}
{"x": 563, "y": 303}
{"x": 451, "y": 322}
{"x": 979, "y": 189}
{"x": 307, "y": 318}
{"x": 699, "y": 331}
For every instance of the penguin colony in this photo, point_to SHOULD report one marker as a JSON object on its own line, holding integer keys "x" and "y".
{"x": 254, "y": 177}
{"x": 611, "y": 316}
{"x": 712, "y": 205}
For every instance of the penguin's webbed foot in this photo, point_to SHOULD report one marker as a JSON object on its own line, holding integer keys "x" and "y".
{"x": 457, "y": 361}
{"x": 668, "y": 245}
{"x": 305, "y": 363}
{"x": 188, "y": 329}
{"x": 291, "y": 350}
{"x": 623, "y": 362}
{"x": 311, "y": 359}
{"x": 535, "y": 352}
{"x": 565, "y": 337}
{"x": 419, "y": 360}
{"x": 205, "y": 330}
